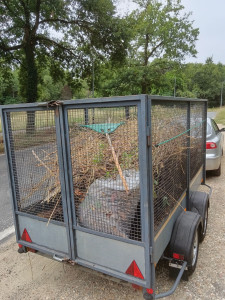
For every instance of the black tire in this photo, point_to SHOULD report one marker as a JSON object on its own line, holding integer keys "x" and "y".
{"x": 218, "y": 171}
{"x": 202, "y": 234}
{"x": 192, "y": 260}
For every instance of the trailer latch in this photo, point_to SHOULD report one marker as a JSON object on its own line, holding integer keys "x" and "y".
{"x": 51, "y": 103}
{"x": 54, "y": 103}
{"x": 58, "y": 258}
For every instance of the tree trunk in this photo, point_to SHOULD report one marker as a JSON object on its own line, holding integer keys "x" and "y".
{"x": 144, "y": 84}
{"x": 31, "y": 85}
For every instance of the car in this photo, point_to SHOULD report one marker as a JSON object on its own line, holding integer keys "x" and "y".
{"x": 214, "y": 147}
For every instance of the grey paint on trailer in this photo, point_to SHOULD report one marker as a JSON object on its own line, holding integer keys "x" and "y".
{"x": 6, "y": 218}
{"x": 112, "y": 254}
{"x": 196, "y": 181}
{"x": 163, "y": 238}
{"x": 107, "y": 254}
{"x": 52, "y": 236}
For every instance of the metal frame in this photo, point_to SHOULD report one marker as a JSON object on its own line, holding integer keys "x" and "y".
{"x": 141, "y": 103}
{"x": 144, "y": 104}
{"x": 9, "y": 151}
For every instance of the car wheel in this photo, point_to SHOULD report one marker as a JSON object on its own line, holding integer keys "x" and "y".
{"x": 218, "y": 171}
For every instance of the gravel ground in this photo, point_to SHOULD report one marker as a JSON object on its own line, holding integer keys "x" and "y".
{"x": 31, "y": 276}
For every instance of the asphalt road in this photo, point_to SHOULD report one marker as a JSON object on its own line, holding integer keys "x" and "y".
{"x": 211, "y": 114}
{"x": 6, "y": 219}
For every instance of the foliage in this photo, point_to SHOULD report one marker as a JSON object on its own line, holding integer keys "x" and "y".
{"x": 161, "y": 30}
{"x": 161, "y": 75}
{"x": 64, "y": 49}
{"x": 8, "y": 83}
{"x": 68, "y": 32}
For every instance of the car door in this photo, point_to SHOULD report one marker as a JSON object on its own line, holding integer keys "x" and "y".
{"x": 219, "y": 137}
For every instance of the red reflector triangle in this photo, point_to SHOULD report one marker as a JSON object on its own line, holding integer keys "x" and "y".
{"x": 134, "y": 270}
{"x": 25, "y": 237}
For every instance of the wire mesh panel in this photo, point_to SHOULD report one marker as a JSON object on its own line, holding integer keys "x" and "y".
{"x": 169, "y": 157}
{"x": 196, "y": 137}
{"x": 105, "y": 167}
{"x": 32, "y": 137}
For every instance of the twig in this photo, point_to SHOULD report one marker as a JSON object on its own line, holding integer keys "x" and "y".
{"x": 117, "y": 164}
{"x": 42, "y": 163}
{"x": 53, "y": 212}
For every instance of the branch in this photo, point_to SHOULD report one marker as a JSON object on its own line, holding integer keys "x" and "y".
{"x": 83, "y": 24}
{"x": 155, "y": 48}
{"x": 52, "y": 42}
{"x": 37, "y": 16}
{"x": 6, "y": 48}
{"x": 26, "y": 11}
{"x": 59, "y": 20}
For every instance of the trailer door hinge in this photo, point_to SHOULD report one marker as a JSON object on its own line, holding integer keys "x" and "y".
{"x": 148, "y": 136}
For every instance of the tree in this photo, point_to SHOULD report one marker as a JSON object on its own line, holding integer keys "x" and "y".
{"x": 208, "y": 78}
{"x": 160, "y": 74}
{"x": 8, "y": 83}
{"x": 67, "y": 31}
{"x": 161, "y": 30}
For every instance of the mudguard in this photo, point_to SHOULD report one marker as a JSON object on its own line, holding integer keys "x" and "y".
{"x": 199, "y": 203}
{"x": 183, "y": 234}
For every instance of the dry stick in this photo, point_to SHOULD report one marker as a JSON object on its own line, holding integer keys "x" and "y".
{"x": 43, "y": 164}
{"x": 57, "y": 189}
{"x": 52, "y": 194}
{"x": 49, "y": 219}
{"x": 117, "y": 164}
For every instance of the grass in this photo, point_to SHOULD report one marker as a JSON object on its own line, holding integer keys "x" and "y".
{"x": 2, "y": 150}
{"x": 75, "y": 116}
{"x": 45, "y": 121}
{"x": 220, "y": 117}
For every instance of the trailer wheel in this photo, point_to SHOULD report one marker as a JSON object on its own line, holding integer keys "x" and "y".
{"x": 184, "y": 241}
{"x": 200, "y": 204}
{"x": 202, "y": 233}
{"x": 192, "y": 260}
{"x": 217, "y": 172}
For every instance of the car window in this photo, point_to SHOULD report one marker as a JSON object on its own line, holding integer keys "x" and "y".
{"x": 209, "y": 129}
{"x": 215, "y": 127}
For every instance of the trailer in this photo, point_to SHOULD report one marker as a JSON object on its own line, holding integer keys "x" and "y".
{"x": 112, "y": 184}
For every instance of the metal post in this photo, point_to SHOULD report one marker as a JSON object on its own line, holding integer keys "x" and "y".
{"x": 188, "y": 154}
{"x": 93, "y": 78}
{"x": 204, "y": 126}
{"x": 93, "y": 89}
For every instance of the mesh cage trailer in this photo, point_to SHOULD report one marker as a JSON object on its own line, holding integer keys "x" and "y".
{"x": 111, "y": 184}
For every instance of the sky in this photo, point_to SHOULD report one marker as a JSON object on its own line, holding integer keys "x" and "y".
{"x": 209, "y": 17}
